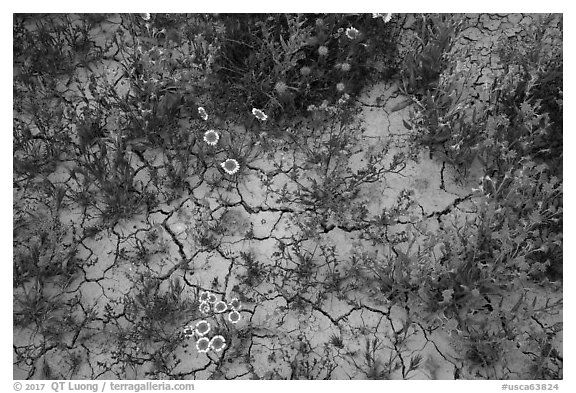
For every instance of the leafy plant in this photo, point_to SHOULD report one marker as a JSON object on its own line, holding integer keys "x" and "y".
{"x": 283, "y": 62}
{"x": 336, "y": 341}
{"x": 517, "y": 115}
{"x": 155, "y": 309}
{"x": 485, "y": 350}
{"x": 327, "y": 183}
{"x": 425, "y": 60}
{"x": 33, "y": 306}
{"x": 43, "y": 248}
{"x": 255, "y": 271}
{"x": 42, "y": 49}
{"x": 376, "y": 368}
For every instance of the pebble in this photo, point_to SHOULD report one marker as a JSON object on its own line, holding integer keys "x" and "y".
{"x": 512, "y": 31}
{"x": 179, "y": 227}
{"x": 515, "y": 18}
{"x": 472, "y": 33}
{"x": 489, "y": 23}
{"x": 485, "y": 51}
{"x": 526, "y": 20}
{"x": 473, "y": 17}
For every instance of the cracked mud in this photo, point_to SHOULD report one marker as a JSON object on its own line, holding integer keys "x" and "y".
{"x": 315, "y": 302}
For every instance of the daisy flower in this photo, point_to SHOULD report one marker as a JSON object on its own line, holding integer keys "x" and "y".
{"x": 204, "y": 296}
{"x": 220, "y": 307}
{"x": 352, "y": 33}
{"x": 234, "y": 316}
{"x": 211, "y": 137}
{"x": 259, "y": 114}
{"x": 385, "y": 17}
{"x": 203, "y": 344}
{"x": 322, "y": 50}
{"x": 204, "y": 307}
{"x": 304, "y": 71}
{"x": 218, "y": 343}
{"x": 280, "y": 87}
{"x": 230, "y": 166}
{"x": 202, "y": 328}
{"x": 340, "y": 86}
{"x": 235, "y": 304}
{"x": 145, "y": 16}
{"x": 212, "y": 298}
{"x": 188, "y": 331}
{"x": 202, "y": 113}
{"x": 345, "y": 67}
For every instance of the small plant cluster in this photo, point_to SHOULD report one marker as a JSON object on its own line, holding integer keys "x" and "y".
{"x": 281, "y": 63}
{"x": 169, "y": 75}
{"x": 517, "y": 114}
{"x": 152, "y": 309}
{"x": 285, "y": 62}
{"x": 210, "y": 306}
{"x": 55, "y": 44}
{"x": 519, "y": 143}
{"x": 425, "y": 59}
{"x": 327, "y": 184}
{"x": 211, "y": 138}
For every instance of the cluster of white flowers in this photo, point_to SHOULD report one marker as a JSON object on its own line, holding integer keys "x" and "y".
{"x": 209, "y": 303}
{"x": 211, "y": 138}
{"x": 217, "y": 344}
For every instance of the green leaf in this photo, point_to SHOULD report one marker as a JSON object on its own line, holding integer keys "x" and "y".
{"x": 401, "y": 105}
{"x": 517, "y": 305}
{"x": 520, "y": 262}
{"x": 415, "y": 362}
